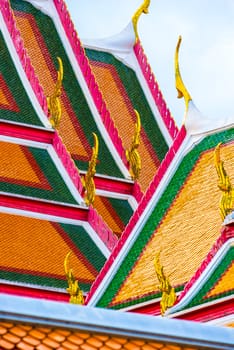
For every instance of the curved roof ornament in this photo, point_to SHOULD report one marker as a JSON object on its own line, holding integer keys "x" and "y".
{"x": 144, "y": 8}
{"x": 180, "y": 87}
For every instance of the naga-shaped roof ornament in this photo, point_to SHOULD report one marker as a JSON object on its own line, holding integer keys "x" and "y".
{"x": 88, "y": 181}
{"x": 226, "y": 205}
{"x": 53, "y": 101}
{"x": 76, "y": 294}
{"x": 144, "y": 8}
{"x": 180, "y": 87}
{"x": 168, "y": 292}
{"x": 132, "y": 153}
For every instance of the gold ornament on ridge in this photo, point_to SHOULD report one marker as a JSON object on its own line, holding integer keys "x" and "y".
{"x": 53, "y": 101}
{"x": 76, "y": 294}
{"x": 180, "y": 87}
{"x": 168, "y": 292}
{"x": 144, "y": 8}
{"x": 226, "y": 204}
{"x": 88, "y": 181}
{"x": 132, "y": 154}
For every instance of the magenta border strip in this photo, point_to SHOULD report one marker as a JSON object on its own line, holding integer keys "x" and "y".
{"x": 22, "y": 53}
{"x": 101, "y": 228}
{"x": 155, "y": 91}
{"x": 89, "y": 78}
{"x": 67, "y": 162}
{"x": 142, "y": 206}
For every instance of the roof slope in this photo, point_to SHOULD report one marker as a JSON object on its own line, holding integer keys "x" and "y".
{"x": 43, "y": 215}
{"x": 44, "y": 44}
{"x": 181, "y": 219}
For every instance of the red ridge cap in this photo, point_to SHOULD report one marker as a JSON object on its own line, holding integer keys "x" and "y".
{"x": 118, "y": 186}
{"x": 26, "y": 132}
{"x": 205, "y": 313}
{"x": 22, "y": 53}
{"x": 85, "y": 214}
{"x": 155, "y": 91}
{"x": 137, "y": 214}
{"x": 209, "y": 312}
{"x": 33, "y": 292}
{"x": 95, "y": 92}
{"x": 47, "y": 208}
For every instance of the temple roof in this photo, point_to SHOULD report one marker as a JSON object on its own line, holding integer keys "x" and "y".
{"x": 178, "y": 217}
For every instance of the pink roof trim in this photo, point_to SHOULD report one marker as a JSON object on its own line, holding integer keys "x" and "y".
{"x": 95, "y": 92}
{"x": 137, "y": 214}
{"x": 22, "y": 53}
{"x": 155, "y": 91}
{"x": 67, "y": 162}
{"x": 101, "y": 228}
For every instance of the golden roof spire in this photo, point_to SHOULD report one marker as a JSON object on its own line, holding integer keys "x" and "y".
{"x": 76, "y": 295}
{"x": 226, "y": 205}
{"x": 53, "y": 101}
{"x": 144, "y": 8}
{"x": 168, "y": 292}
{"x": 182, "y": 91}
{"x": 88, "y": 181}
{"x": 132, "y": 154}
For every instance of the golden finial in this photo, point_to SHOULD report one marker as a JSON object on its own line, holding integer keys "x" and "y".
{"x": 144, "y": 8}
{"x": 76, "y": 295}
{"x": 168, "y": 292}
{"x": 132, "y": 154}
{"x": 181, "y": 89}
{"x": 88, "y": 181}
{"x": 53, "y": 101}
{"x": 226, "y": 205}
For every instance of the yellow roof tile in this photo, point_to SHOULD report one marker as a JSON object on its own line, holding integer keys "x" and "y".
{"x": 3, "y": 330}
{"x": 23, "y": 346}
{"x": 192, "y": 224}
{"x": 49, "y": 342}
{"x": 113, "y": 345}
{"x": 36, "y": 334}
{"x": 75, "y": 339}
{"x": 6, "y": 345}
{"x": 11, "y": 338}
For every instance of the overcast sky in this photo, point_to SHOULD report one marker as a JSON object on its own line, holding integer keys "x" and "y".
{"x": 206, "y": 54}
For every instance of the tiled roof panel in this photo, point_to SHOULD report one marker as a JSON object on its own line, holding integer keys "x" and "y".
{"x": 31, "y": 172}
{"x": 183, "y": 225}
{"x": 33, "y": 251}
{"x": 77, "y": 123}
{"x": 15, "y": 105}
{"x": 123, "y": 94}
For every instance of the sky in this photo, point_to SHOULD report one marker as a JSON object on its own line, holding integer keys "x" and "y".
{"x": 206, "y": 53}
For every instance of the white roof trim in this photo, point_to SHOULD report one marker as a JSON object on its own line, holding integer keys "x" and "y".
{"x": 81, "y": 318}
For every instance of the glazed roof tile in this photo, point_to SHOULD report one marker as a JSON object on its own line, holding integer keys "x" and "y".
{"x": 123, "y": 93}
{"x": 213, "y": 280}
{"x": 184, "y": 218}
{"x": 15, "y": 103}
{"x": 78, "y": 122}
{"x": 34, "y": 247}
{"x": 29, "y": 169}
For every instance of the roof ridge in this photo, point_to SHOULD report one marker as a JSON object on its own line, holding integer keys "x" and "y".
{"x": 141, "y": 207}
{"x": 17, "y": 40}
{"x": 155, "y": 90}
{"x": 92, "y": 85}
